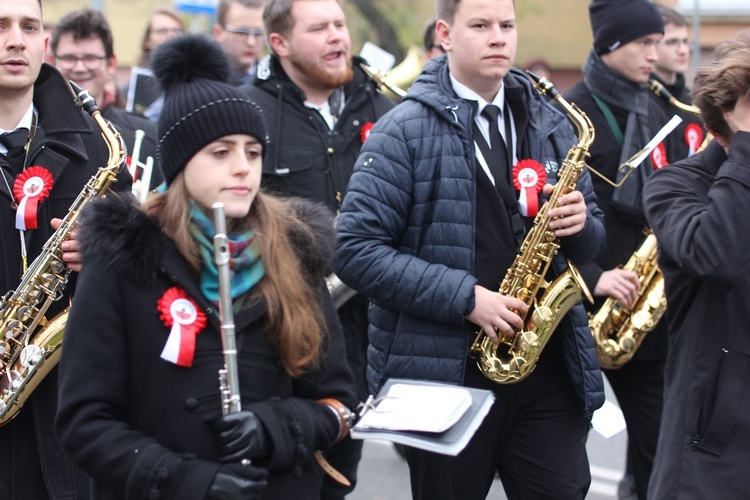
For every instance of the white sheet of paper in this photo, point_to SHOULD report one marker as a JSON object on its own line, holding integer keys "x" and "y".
{"x": 418, "y": 408}
{"x": 608, "y": 420}
{"x": 377, "y": 57}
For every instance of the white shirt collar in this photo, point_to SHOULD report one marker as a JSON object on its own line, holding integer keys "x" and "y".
{"x": 25, "y": 122}
{"x": 465, "y": 92}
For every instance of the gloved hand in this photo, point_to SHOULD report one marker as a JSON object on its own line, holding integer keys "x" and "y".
{"x": 241, "y": 435}
{"x": 234, "y": 481}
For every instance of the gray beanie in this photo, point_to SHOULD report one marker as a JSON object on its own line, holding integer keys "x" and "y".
{"x": 199, "y": 106}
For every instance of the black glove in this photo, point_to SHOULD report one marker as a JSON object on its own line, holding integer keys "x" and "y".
{"x": 234, "y": 481}
{"x": 241, "y": 435}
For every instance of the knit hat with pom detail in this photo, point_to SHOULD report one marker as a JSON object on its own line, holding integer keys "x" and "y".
{"x": 199, "y": 106}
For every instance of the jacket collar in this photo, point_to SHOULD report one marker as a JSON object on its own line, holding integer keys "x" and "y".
{"x": 433, "y": 89}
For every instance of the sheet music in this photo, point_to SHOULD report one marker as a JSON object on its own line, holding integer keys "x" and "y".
{"x": 418, "y": 408}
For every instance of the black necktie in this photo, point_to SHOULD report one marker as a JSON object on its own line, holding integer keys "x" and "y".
{"x": 492, "y": 113}
{"x": 15, "y": 142}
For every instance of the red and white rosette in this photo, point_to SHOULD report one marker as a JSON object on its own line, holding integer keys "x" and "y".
{"x": 659, "y": 156}
{"x": 529, "y": 177}
{"x": 364, "y": 132}
{"x": 693, "y": 137}
{"x": 30, "y": 188}
{"x": 186, "y": 320}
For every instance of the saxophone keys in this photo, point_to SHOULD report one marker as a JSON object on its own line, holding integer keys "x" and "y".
{"x": 627, "y": 343}
{"x": 542, "y": 315}
{"x": 31, "y": 355}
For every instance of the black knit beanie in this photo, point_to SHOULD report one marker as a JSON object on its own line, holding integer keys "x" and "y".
{"x": 199, "y": 106}
{"x": 617, "y": 22}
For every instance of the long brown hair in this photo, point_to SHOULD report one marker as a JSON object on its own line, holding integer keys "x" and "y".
{"x": 295, "y": 319}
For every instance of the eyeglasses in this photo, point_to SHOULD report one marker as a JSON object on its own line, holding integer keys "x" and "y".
{"x": 242, "y": 33}
{"x": 676, "y": 42}
{"x": 168, "y": 31}
{"x": 90, "y": 61}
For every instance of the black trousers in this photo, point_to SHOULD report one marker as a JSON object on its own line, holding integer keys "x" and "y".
{"x": 534, "y": 437}
{"x": 639, "y": 387}
{"x": 33, "y": 465}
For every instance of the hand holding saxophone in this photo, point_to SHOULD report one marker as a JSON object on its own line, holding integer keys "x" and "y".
{"x": 497, "y": 314}
{"x": 620, "y": 284}
{"x": 69, "y": 248}
{"x": 569, "y": 215}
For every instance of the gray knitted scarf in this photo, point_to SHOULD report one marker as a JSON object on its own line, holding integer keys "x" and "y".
{"x": 619, "y": 92}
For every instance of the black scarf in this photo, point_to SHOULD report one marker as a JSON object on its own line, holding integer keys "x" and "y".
{"x": 619, "y": 92}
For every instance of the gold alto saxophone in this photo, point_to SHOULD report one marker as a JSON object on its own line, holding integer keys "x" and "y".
{"x": 619, "y": 330}
{"x": 513, "y": 360}
{"x": 30, "y": 345}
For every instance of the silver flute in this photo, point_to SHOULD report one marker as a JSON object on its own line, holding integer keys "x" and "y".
{"x": 228, "y": 379}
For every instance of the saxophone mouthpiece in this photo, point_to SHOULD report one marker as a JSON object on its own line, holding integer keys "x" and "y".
{"x": 542, "y": 84}
{"x": 83, "y": 98}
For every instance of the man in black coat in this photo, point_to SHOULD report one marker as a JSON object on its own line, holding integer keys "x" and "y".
{"x": 698, "y": 210}
{"x": 319, "y": 106}
{"x": 63, "y": 148}
{"x": 83, "y": 50}
{"x": 614, "y": 94}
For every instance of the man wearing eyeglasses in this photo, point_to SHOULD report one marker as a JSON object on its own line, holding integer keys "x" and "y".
{"x": 82, "y": 49}
{"x": 239, "y": 30}
{"x": 673, "y": 61}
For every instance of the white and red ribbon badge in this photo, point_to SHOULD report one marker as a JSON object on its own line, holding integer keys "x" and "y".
{"x": 693, "y": 137}
{"x": 529, "y": 177}
{"x": 659, "y": 156}
{"x": 186, "y": 320}
{"x": 364, "y": 132}
{"x": 30, "y": 188}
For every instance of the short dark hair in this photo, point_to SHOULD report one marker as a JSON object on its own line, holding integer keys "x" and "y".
{"x": 719, "y": 85}
{"x": 82, "y": 24}
{"x": 671, "y": 16}
{"x": 428, "y": 36}
{"x": 223, "y": 8}
{"x": 446, "y": 9}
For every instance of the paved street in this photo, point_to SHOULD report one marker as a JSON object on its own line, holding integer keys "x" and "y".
{"x": 384, "y": 475}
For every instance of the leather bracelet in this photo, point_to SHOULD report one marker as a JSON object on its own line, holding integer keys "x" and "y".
{"x": 343, "y": 414}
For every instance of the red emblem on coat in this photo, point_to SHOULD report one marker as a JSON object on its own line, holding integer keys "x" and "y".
{"x": 529, "y": 177}
{"x": 364, "y": 132}
{"x": 182, "y": 315}
{"x": 30, "y": 188}
{"x": 659, "y": 156}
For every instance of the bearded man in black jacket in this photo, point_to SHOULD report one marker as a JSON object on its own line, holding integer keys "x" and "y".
{"x": 614, "y": 94}
{"x": 319, "y": 105}
{"x": 62, "y": 146}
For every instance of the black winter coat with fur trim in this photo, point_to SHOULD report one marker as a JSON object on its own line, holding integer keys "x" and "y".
{"x": 140, "y": 426}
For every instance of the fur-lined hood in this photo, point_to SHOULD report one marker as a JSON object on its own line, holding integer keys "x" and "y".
{"x": 130, "y": 243}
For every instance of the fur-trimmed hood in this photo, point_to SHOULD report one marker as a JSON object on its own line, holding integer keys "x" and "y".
{"x": 131, "y": 243}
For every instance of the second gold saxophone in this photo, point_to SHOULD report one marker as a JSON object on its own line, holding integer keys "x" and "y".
{"x": 513, "y": 360}
{"x": 30, "y": 345}
{"x": 619, "y": 330}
